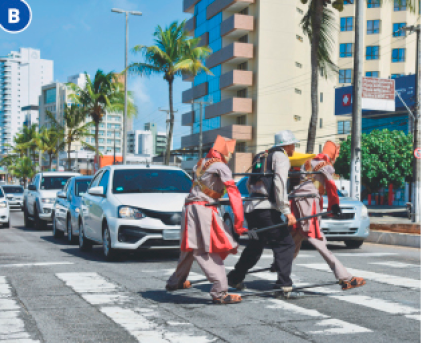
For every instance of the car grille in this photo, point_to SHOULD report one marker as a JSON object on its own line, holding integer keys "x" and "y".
{"x": 343, "y": 216}
{"x": 350, "y": 231}
{"x": 168, "y": 218}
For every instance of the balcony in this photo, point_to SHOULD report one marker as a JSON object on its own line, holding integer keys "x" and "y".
{"x": 236, "y": 79}
{"x": 188, "y": 5}
{"x": 226, "y": 5}
{"x": 237, "y": 26}
{"x": 235, "y": 53}
{"x": 195, "y": 93}
{"x": 204, "y": 40}
{"x": 187, "y": 119}
{"x": 190, "y": 26}
{"x": 230, "y": 106}
{"x": 238, "y": 132}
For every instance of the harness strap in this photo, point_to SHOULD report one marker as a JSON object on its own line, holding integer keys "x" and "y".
{"x": 200, "y": 170}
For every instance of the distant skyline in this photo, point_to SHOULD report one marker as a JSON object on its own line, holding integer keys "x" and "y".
{"x": 84, "y": 35}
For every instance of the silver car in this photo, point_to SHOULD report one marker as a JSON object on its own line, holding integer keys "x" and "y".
{"x": 352, "y": 228}
{"x": 14, "y": 195}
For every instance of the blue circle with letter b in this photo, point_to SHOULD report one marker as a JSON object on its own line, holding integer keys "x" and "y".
{"x": 15, "y": 15}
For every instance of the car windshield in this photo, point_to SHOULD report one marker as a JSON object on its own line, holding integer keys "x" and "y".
{"x": 340, "y": 194}
{"x": 1, "y": 194}
{"x": 81, "y": 187}
{"x": 54, "y": 182}
{"x": 151, "y": 181}
{"x": 13, "y": 190}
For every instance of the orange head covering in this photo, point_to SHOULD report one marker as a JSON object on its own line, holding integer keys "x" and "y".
{"x": 224, "y": 146}
{"x": 332, "y": 150}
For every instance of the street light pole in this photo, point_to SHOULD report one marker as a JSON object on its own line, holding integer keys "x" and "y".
{"x": 168, "y": 123}
{"x": 201, "y": 104}
{"x": 116, "y": 10}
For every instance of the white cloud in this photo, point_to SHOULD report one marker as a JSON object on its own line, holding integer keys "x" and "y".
{"x": 68, "y": 27}
{"x": 140, "y": 91}
{"x": 124, "y": 5}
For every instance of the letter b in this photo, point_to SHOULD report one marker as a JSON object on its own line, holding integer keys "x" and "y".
{"x": 13, "y": 16}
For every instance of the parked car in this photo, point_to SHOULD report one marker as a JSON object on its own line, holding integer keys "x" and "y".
{"x": 132, "y": 207}
{"x": 41, "y": 195}
{"x": 67, "y": 206}
{"x": 352, "y": 227}
{"x": 4, "y": 210}
{"x": 14, "y": 196}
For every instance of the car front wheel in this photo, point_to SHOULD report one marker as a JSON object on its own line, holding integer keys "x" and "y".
{"x": 84, "y": 243}
{"x": 26, "y": 221}
{"x": 110, "y": 253}
{"x": 353, "y": 244}
{"x": 70, "y": 238}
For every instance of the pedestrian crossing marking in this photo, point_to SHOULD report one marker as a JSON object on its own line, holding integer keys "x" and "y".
{"x": 394, "y": 264}
{"x": 366, "y": 254}
{"x": 40, "y": 264}
{"x": 337, "y": 326}
{"x": 378, "y": 277}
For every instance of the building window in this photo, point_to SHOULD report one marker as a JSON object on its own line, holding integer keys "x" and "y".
{"x": 345, "y": 50}
{"x": 348, "y": 2}
{"x": 240, "y": 147}
{"x": 244, "y": 39}
{"x": 347, "y": 24}
{"x": 299, "y": 10}
{"x": 321, "y": 96}
{"x": 395, "y": 76}
{"x": 242, "y": 93}
{"x": 400, "y": 5}
{"x": 398, "y": 55}
{"x": 298, "y": 91}
{"x": 373, "y": 27}
{"x": 322, "y": 71}
{"x": 321, "y": 123}
{"x": 372, "y": 74}
{"x": 242, "y": 66}
{"x": 373, "y": 3}
{"x": 299, "y": 38}
{"x": 320, "y": 148}
{"x": 372, "y": 52}
{"x": 345, "y": 76}
{"x": 244, "y": 11}
{"x": 241, "y": 120}
{"x": 344, "y": 127}
{"x": 397, "y": 32}
{"x": 298, "y": 65}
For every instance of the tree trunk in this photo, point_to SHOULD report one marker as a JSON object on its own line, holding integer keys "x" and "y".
{"x": 170, "y": 131}
{"x": 96, "y": 146}
{"x": 69, "y": 144}
{"x": 51, "y": 161}
{"x": 315, "y": 40}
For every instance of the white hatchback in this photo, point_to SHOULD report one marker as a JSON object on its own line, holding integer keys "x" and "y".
{"x": 4, "y": 210}
{"x": 133, "y": 207}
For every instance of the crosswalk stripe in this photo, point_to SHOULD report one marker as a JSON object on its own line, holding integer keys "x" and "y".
{"x": 97, "y": 291}
{"x": 394, "y": 264}
{"x": 378, "y": 277}
{"x": 365, "y": 254}
{"x": 40, "y": 264}
{"x": 337, "y": 327}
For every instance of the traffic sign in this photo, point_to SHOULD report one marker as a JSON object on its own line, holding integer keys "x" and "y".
{"x": 15, "y": 15}
{"x": 417, "y": 153}
{"x": 346, "y": 100}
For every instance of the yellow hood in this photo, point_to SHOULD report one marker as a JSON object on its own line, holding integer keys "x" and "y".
{"x": 298, "y": 159}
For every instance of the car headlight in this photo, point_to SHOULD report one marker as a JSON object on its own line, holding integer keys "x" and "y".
{"x": 77, "y": 210}
{"x": 128, "y": 212}
{"x": 48, "y": 200}
{"x": 364, "y": 211}
{"x": 3, "y": 204}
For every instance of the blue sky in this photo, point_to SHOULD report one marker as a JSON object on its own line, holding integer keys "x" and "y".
{"x": 84, "y": 35}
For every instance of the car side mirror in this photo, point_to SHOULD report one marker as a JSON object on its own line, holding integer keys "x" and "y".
{"x": 32, "y": 188}
{"x": 61, "y": 195}
{"x": 97, "y": 191}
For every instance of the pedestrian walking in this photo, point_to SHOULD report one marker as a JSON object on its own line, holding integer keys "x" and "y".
{"x": 320, "y": 184}
{"x": 267, "y": 211}
{"x": 204, "y": 237}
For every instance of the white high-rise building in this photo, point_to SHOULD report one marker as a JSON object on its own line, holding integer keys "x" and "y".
{"x": 140, "y": 142}
{"x": 22, "y": 75}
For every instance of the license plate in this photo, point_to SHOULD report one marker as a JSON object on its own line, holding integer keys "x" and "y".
{"x": 171, "y": 235}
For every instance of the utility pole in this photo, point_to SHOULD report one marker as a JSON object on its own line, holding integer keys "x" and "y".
{"x": 201, "y": 104}
{"x": 114, "y": 147}
{"x": 417, "y": 126}
{"x": 168, "y": 124}
{"x": 357, "y": 102}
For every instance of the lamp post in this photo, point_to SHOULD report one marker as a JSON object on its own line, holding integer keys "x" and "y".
{"x": 117, "y": 10}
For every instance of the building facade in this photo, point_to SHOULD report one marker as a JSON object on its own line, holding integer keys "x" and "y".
{"x": 388, "y": 51}
{"x": 140, "y": 142}
{"x": 22, "y": 75}
{"x": 260, "y": 82}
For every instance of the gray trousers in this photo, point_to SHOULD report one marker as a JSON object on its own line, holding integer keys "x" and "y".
{"x": 341, "y": 273}
{"x": 210, "y": 263}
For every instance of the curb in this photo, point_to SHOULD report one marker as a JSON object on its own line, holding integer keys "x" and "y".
{"x": 392, "y": 238}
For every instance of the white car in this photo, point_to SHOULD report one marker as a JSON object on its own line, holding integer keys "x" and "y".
{"x": 133, "y": 207}
{"x": 4, "y": 210}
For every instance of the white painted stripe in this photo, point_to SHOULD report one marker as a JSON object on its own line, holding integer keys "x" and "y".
{"x": 287, "y": 306}
{"x": 414, "y": 316}
{"x": 87, "y": 282}
{"x": 40, "y": 264}
{"x": 338, "y": 327}
{"x": 5, "y": 290}
{"x": 8, "y": 304}
{"x": 394, "y": 264}
{"x": 366, "y": 254}
{"x": 378, "y": 277}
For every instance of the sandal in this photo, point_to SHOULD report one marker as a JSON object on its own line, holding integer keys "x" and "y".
{"x": 228, "y": 299}
{"x": 184, "y": 285}
{"x": 353, "y": 283}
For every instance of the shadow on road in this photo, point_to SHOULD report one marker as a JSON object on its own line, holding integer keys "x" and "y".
{"x": 58, "y": 241}
{"x": 164, "y": 297}
{"x": 23, "y": 228}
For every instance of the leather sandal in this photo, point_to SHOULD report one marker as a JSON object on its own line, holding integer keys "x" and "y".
{"x": 228, "y": 299}
{"x": 353, "y": 283}
{"x": 184, "y": 285}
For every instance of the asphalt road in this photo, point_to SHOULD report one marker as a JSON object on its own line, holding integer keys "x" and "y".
{"x": 51, "y": 292}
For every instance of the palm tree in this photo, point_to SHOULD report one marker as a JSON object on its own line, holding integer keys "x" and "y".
{"x": 24, "y": 168}
{"x": 49, "y": 141}
{"x": 174, "y": 54}
{"x": 101, "y": 95}
{"x": 74, "y": 129}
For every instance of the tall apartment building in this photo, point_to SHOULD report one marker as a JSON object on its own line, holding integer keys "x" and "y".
{"x": 260, "y": 82}
{"x": 22, "y": 74}
{"x": 388, "y": 52}
{"x": 149, "y": 141}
